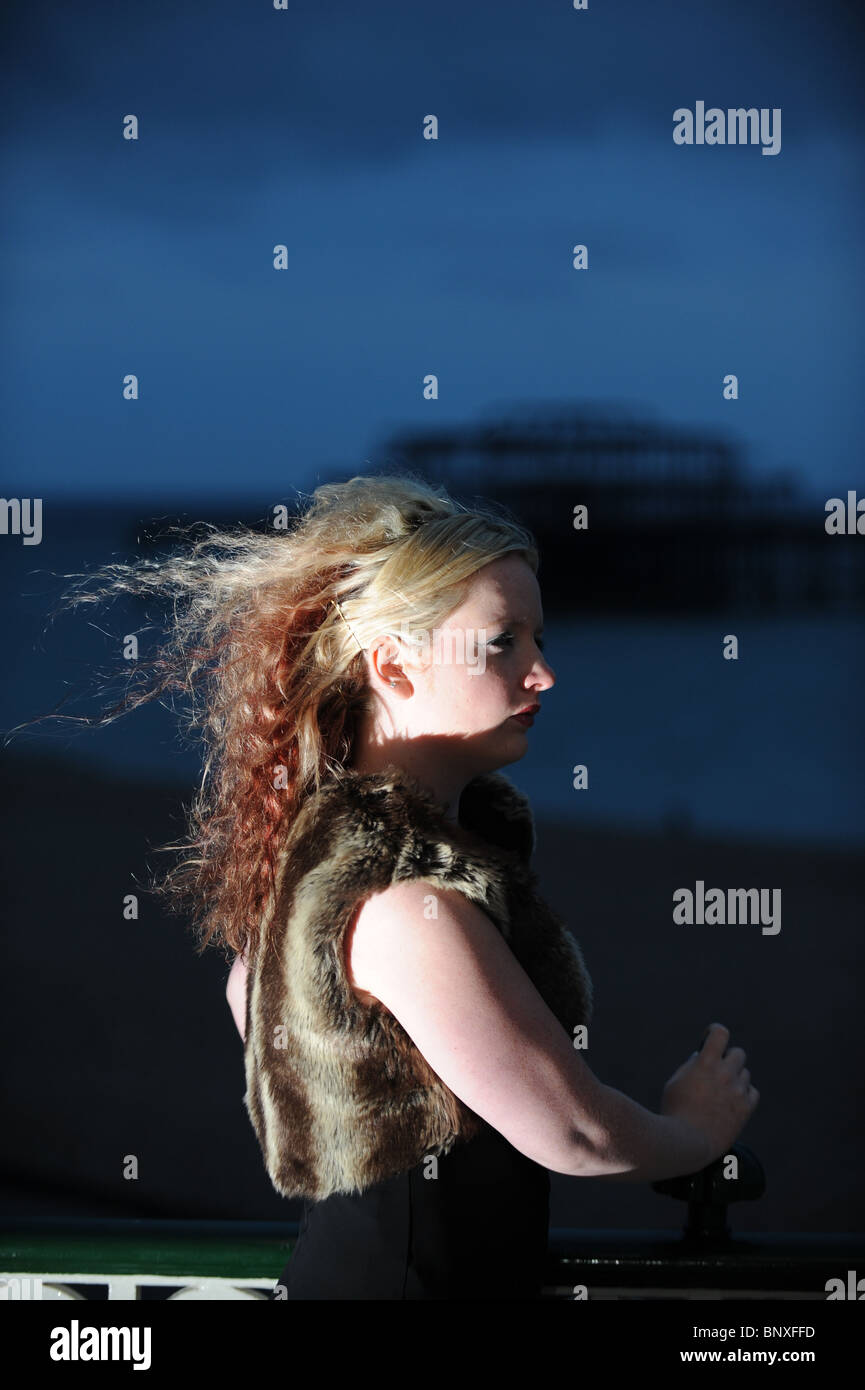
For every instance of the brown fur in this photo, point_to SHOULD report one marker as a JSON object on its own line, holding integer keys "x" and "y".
{"x": 338, "y": 1094}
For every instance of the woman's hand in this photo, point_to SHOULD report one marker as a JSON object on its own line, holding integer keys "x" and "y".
{"x": 712, "y": 1092}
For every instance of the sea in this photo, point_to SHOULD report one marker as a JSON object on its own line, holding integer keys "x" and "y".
{"x": 648, "y": 725}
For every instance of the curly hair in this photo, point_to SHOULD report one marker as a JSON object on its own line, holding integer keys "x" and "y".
{"x": 265, "y": 640}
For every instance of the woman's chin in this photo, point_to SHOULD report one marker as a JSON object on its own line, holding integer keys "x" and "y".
{"x": 516, "y": 743}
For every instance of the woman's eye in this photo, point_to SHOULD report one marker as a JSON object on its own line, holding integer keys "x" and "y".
{"x": 507, "y": 638}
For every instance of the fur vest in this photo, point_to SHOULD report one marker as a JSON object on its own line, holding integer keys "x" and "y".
{"x": 338, "y": 1094}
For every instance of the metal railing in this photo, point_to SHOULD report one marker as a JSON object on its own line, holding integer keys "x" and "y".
{"x": 124, "y": 1259}
{"x": 142, "y": 1259}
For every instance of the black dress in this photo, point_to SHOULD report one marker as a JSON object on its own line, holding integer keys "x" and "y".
{"x": 477, "y": 1230}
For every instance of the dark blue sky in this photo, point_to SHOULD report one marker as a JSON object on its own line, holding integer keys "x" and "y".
{"x": 303, "y": 126}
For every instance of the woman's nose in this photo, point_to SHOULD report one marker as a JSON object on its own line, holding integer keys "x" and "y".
{"x": 544, "y": 673}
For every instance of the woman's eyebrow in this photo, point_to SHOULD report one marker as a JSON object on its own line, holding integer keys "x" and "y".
{"x": 516, "y": 622}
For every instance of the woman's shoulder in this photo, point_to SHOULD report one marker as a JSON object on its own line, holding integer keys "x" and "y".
{"x": 361, "y": 833}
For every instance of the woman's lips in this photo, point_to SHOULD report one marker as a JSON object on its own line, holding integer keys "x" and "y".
{"x": 527, "y": 719}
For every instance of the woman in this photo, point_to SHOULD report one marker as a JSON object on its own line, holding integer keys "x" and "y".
{"x": 407, "y": 1000}
{"x": 488, "y": 1027}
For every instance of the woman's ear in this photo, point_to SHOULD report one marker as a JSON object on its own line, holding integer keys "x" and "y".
{"x": 386, "y": 661}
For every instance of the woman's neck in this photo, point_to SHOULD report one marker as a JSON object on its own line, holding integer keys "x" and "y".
{"x": 445, "y": 784}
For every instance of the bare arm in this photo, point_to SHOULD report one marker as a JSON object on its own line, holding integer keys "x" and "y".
{"x": 235, "y": 992}
{"x": 471, "y": 1010}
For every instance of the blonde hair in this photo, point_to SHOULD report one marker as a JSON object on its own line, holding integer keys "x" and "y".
{"x": 255, "y": 622}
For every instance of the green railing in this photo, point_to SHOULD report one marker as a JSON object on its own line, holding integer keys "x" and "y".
{"x": 142, "y": 1259}
{"x": 145, "y": 1259}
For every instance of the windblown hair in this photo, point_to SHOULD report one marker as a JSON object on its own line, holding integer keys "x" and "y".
{"x": 275, "y": 679}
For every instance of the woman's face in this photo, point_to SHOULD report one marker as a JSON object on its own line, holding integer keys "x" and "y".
{"x": 482, "y": 666}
